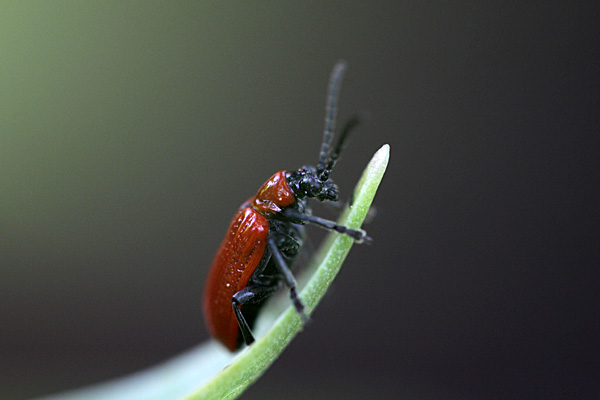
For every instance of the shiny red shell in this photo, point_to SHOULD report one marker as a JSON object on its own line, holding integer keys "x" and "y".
{"x": 238, "y": 256}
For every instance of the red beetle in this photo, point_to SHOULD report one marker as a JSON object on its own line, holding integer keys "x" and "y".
{"x": 266, "y": 235}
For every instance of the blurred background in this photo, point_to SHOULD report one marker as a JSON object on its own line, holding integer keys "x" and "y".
{"x": 130, "y": 132}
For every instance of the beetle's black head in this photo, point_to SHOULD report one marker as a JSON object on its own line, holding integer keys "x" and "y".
{"x": 307, "y": 183}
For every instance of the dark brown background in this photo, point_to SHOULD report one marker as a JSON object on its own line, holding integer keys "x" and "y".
{"x": 131, "y": 132}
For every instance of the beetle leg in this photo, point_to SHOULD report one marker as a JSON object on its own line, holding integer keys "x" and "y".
{"x": 288, "y": 277}
{"x": 360, "y": 235}
{"x": 249, "y": 295}
{"x": 242, "y": 323}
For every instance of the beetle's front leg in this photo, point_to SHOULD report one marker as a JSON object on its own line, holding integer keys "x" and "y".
{"x": 297, "y": 217}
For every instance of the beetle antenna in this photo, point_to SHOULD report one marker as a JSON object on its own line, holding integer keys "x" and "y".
{"x": 331, "y": 111}
{"x": 349, "y": 126}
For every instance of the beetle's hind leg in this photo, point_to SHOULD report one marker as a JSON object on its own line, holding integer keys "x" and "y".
{"x": 251, "y": 294}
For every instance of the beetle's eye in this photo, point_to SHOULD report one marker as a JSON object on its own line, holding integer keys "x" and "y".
{"x": 315, "y": 186}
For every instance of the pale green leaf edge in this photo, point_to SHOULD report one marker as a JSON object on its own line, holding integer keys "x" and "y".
{"x": 208, "y": 371}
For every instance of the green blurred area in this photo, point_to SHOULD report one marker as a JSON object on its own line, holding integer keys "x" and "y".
{"x": 98, "y": 106}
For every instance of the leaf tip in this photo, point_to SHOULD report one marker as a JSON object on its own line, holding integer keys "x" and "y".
{"x": 383, "y": 154}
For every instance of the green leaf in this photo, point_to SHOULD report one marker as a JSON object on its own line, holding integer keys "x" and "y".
{"x": 208, "y": 371}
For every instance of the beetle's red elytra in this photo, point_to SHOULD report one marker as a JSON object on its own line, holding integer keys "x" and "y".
{"x": 266, "y": 235}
